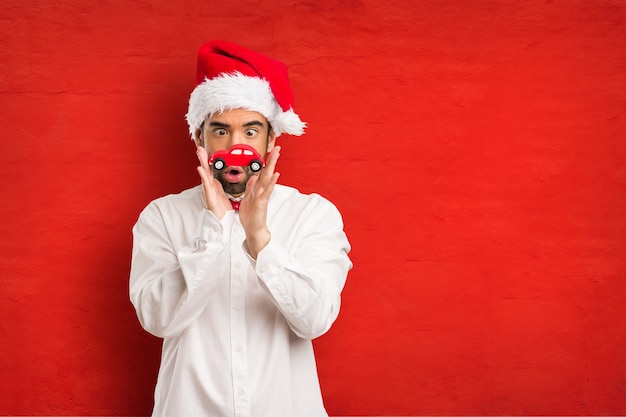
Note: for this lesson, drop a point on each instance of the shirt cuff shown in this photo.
(270, 262)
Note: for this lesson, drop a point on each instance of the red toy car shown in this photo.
(238, 155)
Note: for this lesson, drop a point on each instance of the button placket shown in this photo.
(238, 326)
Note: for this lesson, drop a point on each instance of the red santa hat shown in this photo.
(230, 77)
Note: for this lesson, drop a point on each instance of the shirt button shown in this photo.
(237, 307)
(238, 349)
(237, 264)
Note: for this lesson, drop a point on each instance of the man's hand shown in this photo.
(213, 196)
(253, 209)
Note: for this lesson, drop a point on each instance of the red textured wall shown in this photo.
(476, 148)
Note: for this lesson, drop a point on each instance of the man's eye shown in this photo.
(219, 132)
(251, 132)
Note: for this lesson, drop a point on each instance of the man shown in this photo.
(238, 295)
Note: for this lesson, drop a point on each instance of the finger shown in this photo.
(270, 164)
(273, 158)
(204, 170)
(259, 190)
(270, 186)
(204, 176)
(203, 158)
(273, 177)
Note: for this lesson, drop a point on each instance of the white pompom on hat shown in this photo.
(229, 76)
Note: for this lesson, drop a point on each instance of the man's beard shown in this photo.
(234, 188)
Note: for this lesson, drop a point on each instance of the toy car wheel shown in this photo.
(255, 166)
(219, 164)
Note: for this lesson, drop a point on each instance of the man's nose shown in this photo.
(237, 138)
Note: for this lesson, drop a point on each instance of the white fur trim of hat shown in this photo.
(234, 91)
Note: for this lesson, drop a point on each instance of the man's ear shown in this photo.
(198, 137)
(271, 141)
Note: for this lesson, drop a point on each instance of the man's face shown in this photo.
(220, 131)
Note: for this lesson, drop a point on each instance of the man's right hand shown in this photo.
(214, 197)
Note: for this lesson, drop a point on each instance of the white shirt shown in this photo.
(237, 332)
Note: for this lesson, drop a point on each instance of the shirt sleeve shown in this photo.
(170, 287)
(305, 282)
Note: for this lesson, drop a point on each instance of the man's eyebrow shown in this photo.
(218, 124)
(247, 124)
(254, 123)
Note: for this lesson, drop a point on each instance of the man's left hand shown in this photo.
(253, 209)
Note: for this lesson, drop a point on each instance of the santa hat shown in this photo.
(230, 77)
